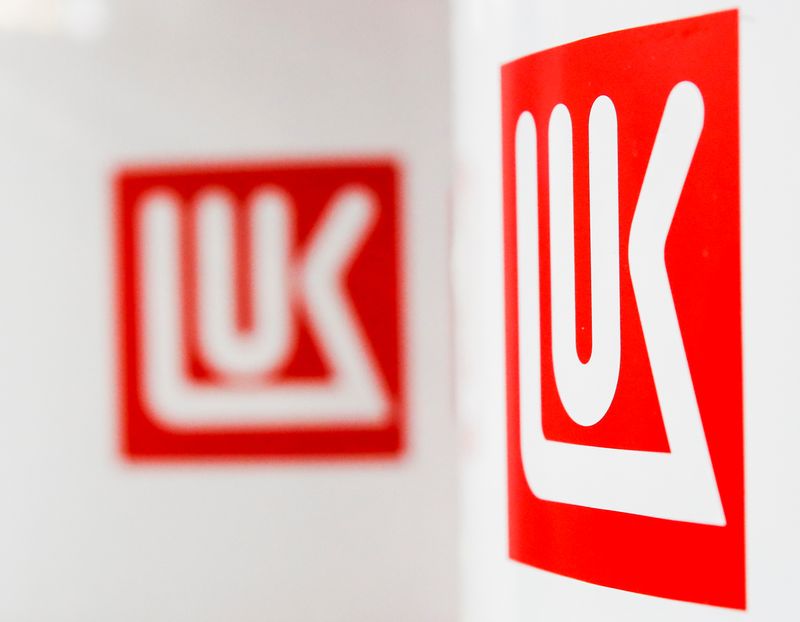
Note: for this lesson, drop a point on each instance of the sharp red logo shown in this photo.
(259, 310)
(623, 310)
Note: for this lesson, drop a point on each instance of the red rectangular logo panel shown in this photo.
(623, 311)
(259, 310)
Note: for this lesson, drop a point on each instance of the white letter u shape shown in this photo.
(586, 389)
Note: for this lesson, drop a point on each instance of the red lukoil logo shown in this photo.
(259, 310)
(623, 310)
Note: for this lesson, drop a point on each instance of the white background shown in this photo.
(491, 32)
(88, 85)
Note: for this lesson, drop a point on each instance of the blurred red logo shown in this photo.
(623, 313)
(259, 310)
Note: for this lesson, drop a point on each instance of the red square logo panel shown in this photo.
(624, 357)
(259, 310)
